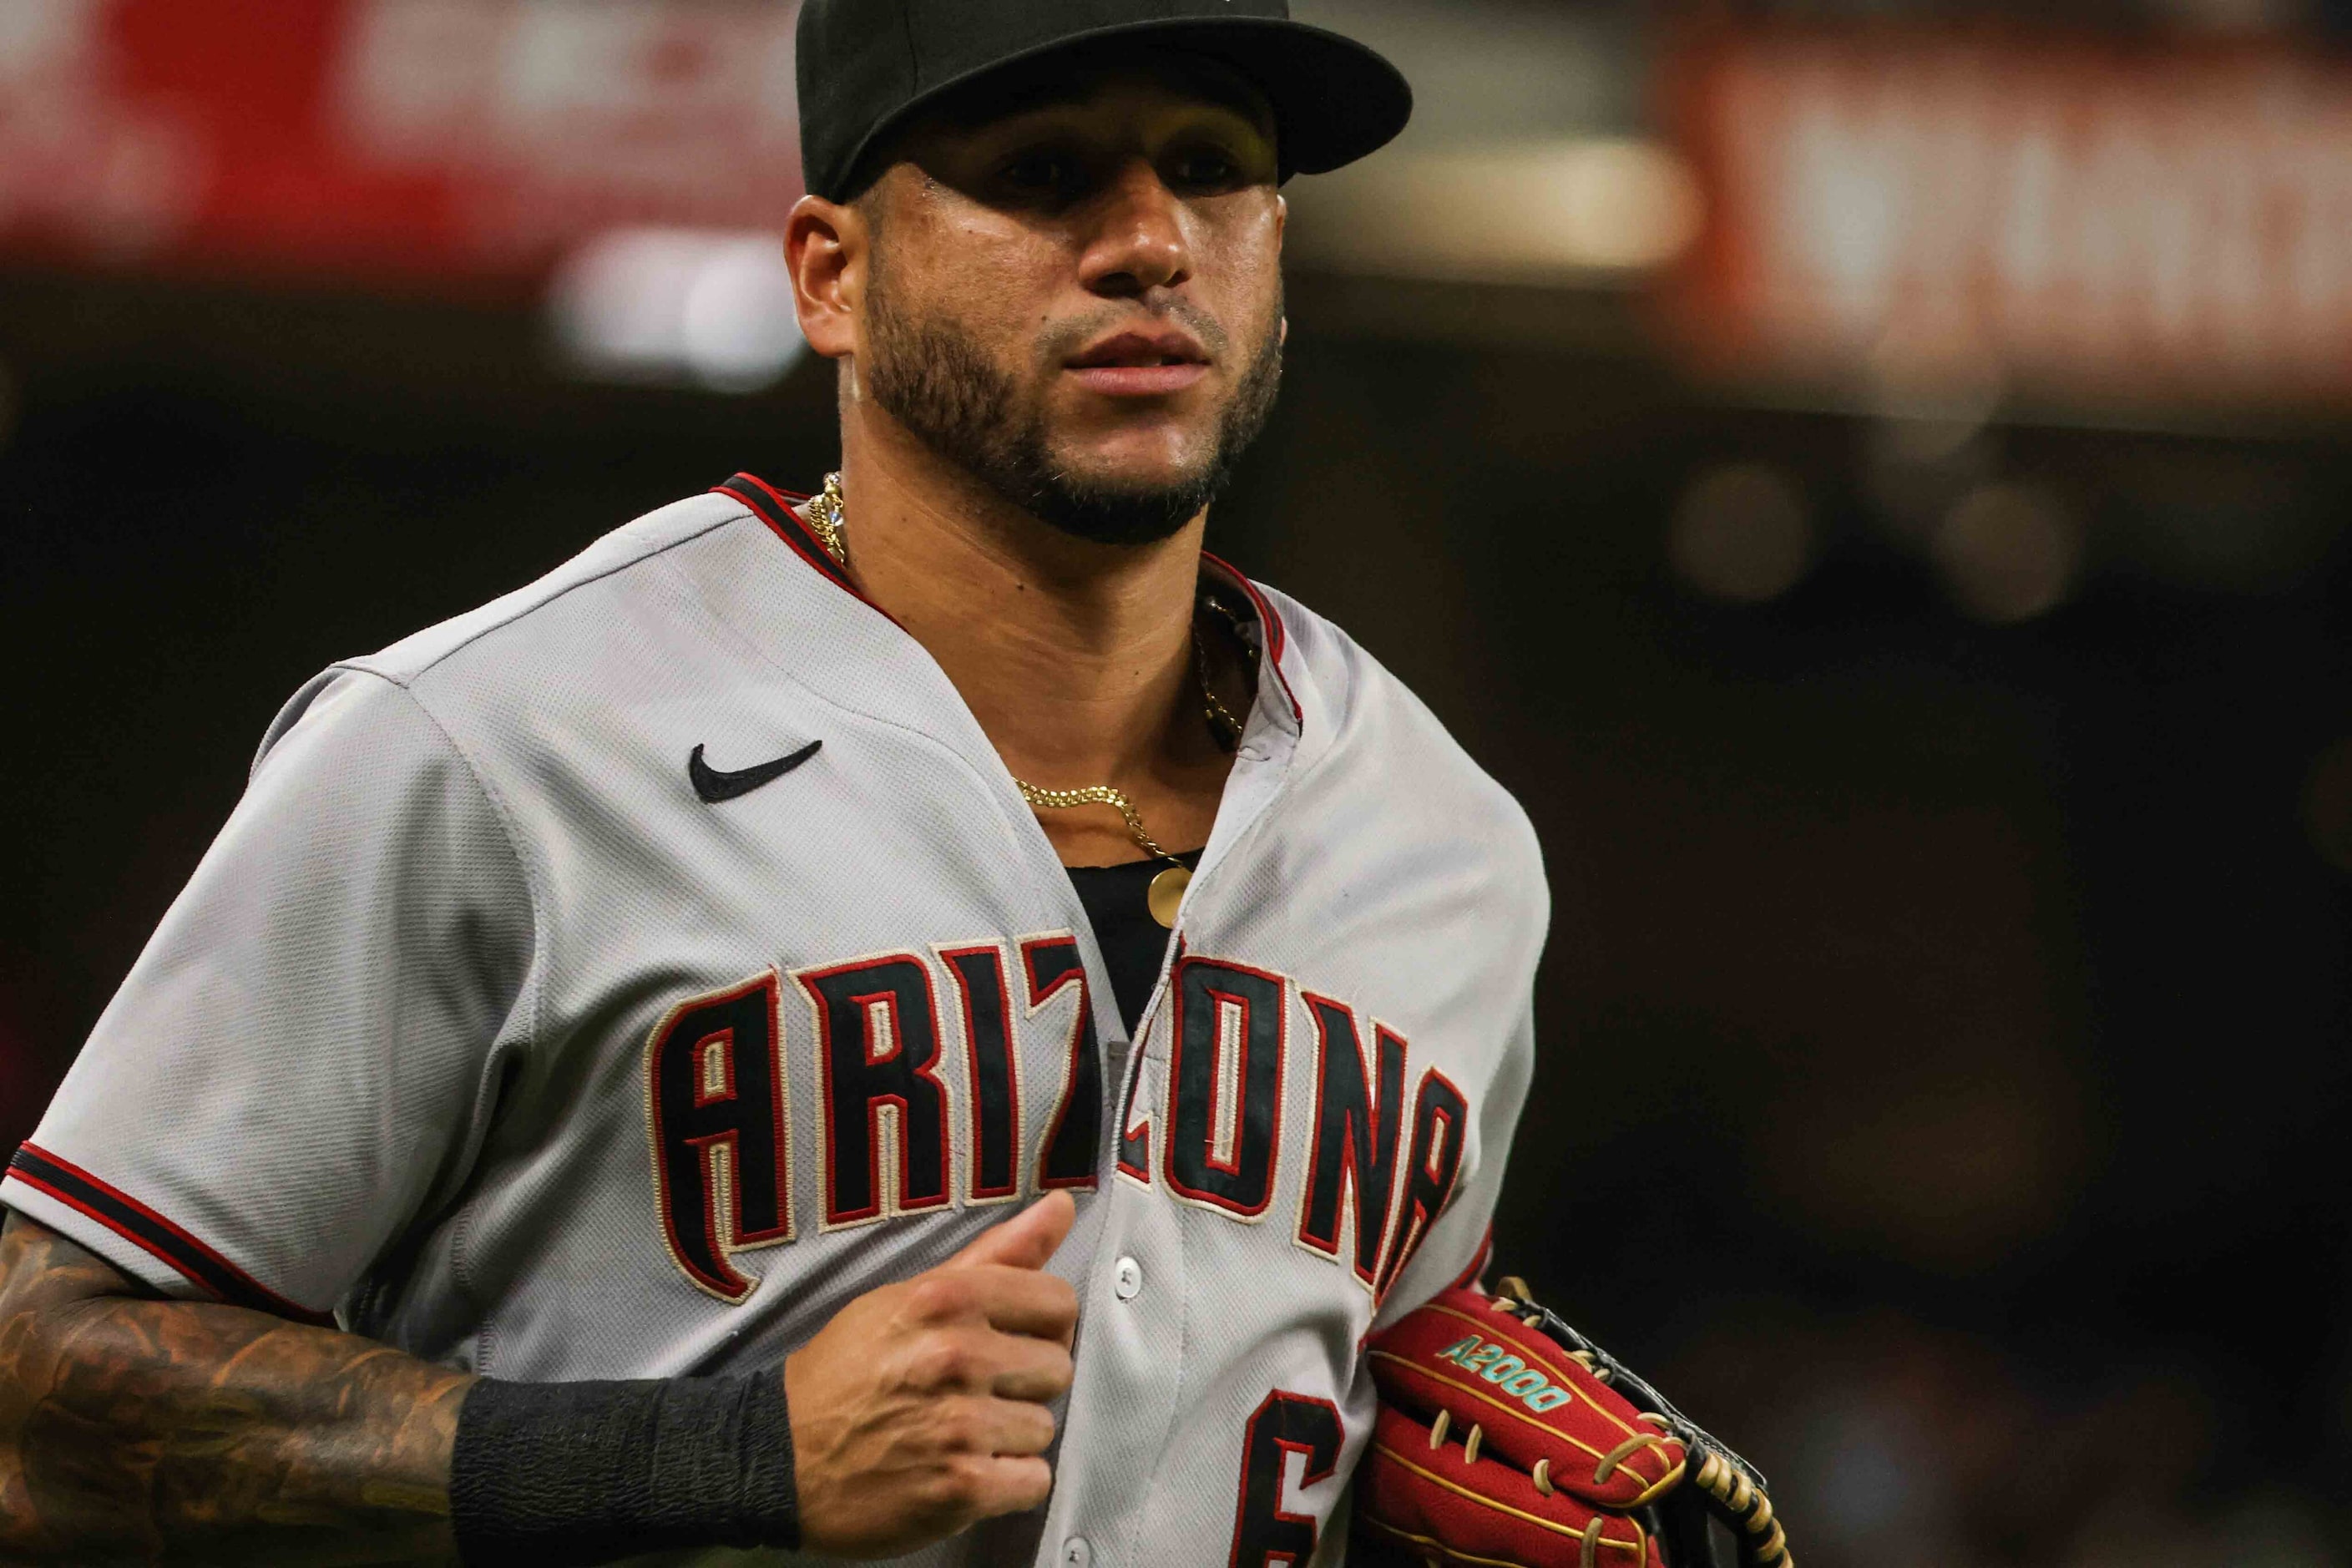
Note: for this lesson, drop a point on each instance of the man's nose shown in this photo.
(1139, 241)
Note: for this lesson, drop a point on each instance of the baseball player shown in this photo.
(930, 1021)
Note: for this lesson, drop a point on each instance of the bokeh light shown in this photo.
(2010, 552)
(1742, 533)
(677, 305)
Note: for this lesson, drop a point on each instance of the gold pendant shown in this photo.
(1168, 892)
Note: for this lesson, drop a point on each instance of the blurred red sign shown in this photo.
(2014, 213)
(426, 141)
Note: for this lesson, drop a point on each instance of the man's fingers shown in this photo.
(994, 1484)
(1028, 1240)
(1004, 1426)
(975, 1359)
(1016, 1301)
(926, 1405)
(1032, 1369)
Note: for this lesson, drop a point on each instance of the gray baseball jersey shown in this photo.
(616, 980)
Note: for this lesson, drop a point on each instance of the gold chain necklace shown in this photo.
(824, 516)
(826, 519)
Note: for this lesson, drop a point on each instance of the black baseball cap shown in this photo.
(865, 66)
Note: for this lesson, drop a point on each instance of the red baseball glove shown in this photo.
(1506, 1439)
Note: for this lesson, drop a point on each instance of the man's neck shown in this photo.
(1075, 656)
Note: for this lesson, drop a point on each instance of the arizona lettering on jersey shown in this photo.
(720, 1135)
(618, 980)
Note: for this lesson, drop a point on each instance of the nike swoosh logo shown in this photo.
(716, 787)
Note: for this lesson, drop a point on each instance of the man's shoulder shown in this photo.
(1372, 721)
(1359, 700)
(486, 636)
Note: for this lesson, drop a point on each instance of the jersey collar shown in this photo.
(775, 508)
(1277, 693)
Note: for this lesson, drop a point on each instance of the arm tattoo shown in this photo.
(140, 1430)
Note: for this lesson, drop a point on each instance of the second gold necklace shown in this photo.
(827, 520)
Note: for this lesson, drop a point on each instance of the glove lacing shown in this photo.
(1735, 1486)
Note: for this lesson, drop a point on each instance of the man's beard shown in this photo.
(934, 378)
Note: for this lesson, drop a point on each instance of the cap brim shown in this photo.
(1335, 100)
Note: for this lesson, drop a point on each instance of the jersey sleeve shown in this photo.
(1515, 918)
(1458, 1243)
(305, 1057)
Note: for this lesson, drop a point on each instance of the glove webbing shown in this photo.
(1734, 1489)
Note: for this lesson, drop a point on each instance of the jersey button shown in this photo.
(1128, 1280)
(1077, 1553)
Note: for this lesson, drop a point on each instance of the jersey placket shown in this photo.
(1137, 1306)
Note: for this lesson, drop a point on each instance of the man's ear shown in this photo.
(827, 249)
(1282, 229)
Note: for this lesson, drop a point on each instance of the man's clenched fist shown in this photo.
(920, 1409)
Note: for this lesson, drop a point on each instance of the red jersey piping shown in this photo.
(153, 1233)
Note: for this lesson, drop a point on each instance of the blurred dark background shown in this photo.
(1934, 695)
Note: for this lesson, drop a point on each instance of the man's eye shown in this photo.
(1206, 168)
(1040, 172)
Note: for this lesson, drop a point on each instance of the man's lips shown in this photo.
(1139, 380)
(1141, 364)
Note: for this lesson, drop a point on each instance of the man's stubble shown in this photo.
(931, 374)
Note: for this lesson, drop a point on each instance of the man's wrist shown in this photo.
(581, 1473)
